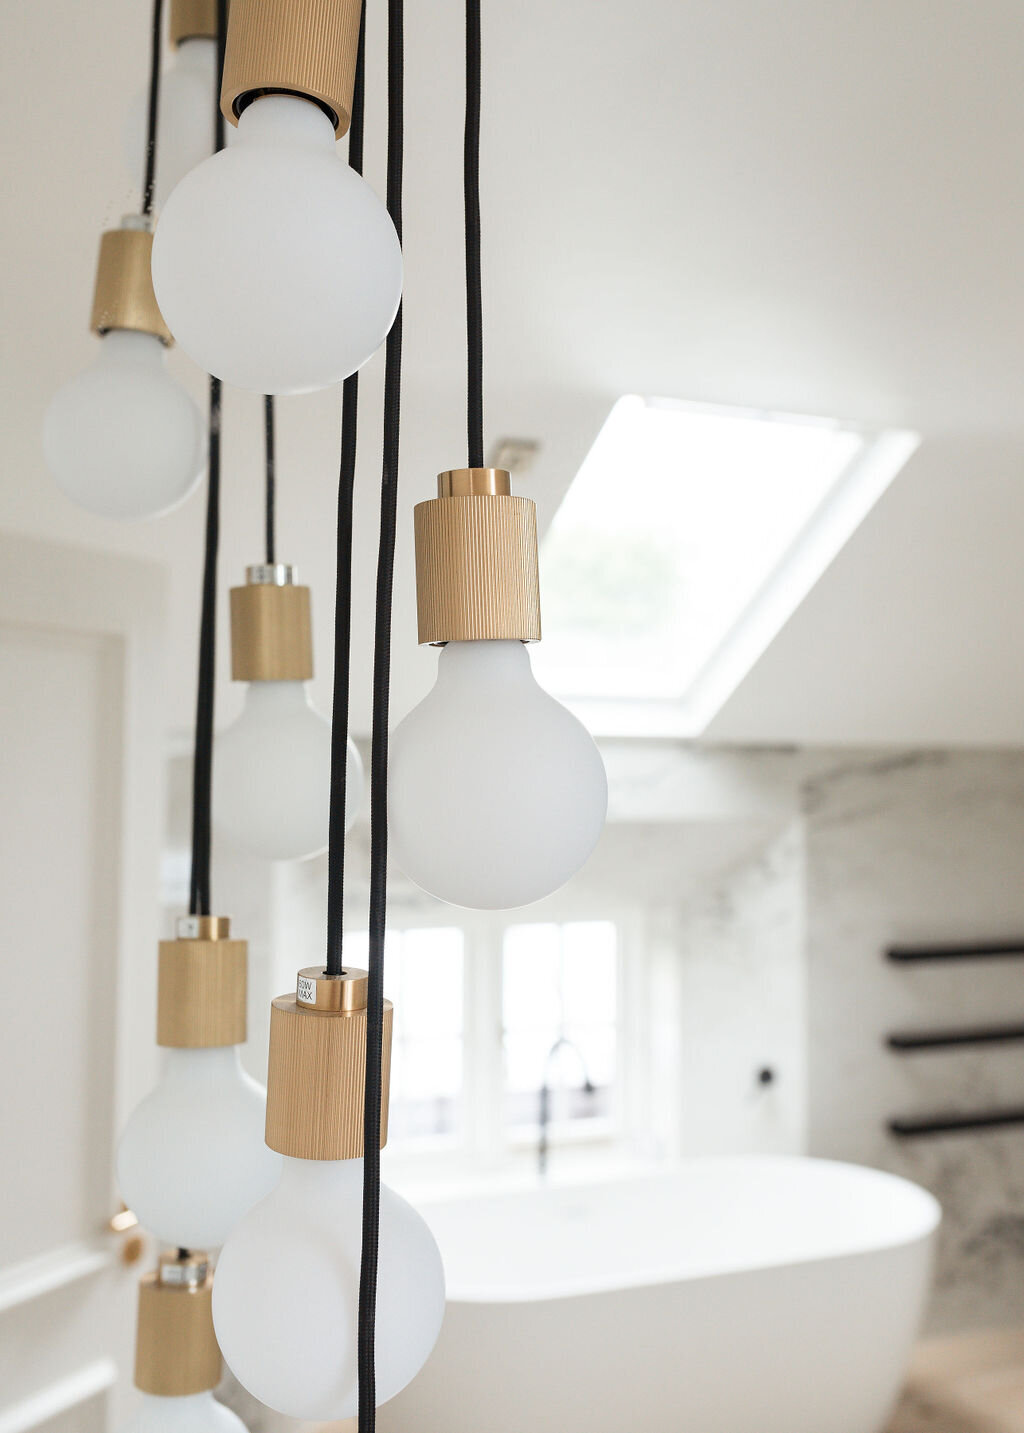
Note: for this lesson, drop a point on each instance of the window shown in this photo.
(688, 537)
(488, 1014)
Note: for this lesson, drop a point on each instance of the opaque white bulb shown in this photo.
(285, 1299)
(123, 439)
(184, 118)
(192, 1159)
(273, 787)
(196, 1413)
(275, 265)
(497, 793)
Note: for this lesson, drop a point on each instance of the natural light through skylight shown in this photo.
(679, 517)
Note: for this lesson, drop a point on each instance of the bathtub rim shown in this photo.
(502, 1295)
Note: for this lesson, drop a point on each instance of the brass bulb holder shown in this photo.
(123, 297)
(298, 47)
(176, 1352)
(476, 561)
(271, 627)
(317, 1067)
(201, 986)
(192, 20)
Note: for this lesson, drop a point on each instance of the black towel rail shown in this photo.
(955, 1124)
(982, 950)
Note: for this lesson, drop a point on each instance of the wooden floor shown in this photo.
(973, 1383)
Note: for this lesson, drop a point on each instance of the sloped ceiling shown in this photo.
(799, 205)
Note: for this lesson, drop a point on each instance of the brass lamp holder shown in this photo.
(123, 297)
(176, 1352)
(476, 561)
(316, 1070)
(201, 987)
(297, 47)
(192, 20)
(271, 628)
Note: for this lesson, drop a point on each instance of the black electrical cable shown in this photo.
(343, 590)
(153, 107)
(379, 758)
(202, 765)
(474, 288)
(268, 437)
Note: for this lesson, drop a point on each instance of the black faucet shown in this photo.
(544, 1118)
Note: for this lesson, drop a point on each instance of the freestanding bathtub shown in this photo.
(748, 1295)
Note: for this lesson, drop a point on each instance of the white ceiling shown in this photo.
(816, 207)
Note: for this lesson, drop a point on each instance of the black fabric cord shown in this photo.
(474, 290)
(268, 437)
(202, 764)
(343, 593)
(379, 758)
(153, 107)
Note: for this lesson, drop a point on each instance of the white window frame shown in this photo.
(483, 1147)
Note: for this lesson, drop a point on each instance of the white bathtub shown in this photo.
(751, 1295)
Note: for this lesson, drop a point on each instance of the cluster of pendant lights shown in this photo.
(278, 270)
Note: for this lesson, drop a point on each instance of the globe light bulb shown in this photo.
(497, 793)
(275, 265)
(184, 119)
(122, 439)
(192, 1158)
(285, 1299)
(273, 789)
(195, 1413)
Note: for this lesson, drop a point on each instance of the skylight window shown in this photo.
(688, 537)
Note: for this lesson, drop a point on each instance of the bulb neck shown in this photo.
(123, 345)
(266, 701)
(189, 1068)
(276, 119)
(501, 663)
(196, 54)
(320, 1178)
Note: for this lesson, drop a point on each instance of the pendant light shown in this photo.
(498, 793)
(184, 98)
(122, 439)
(274, 762)
(330, 1293)
(177, 1361)
(286, 1299)
(276, 265)
(192, 1159)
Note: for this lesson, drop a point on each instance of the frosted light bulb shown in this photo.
(123, 439)
(192, 1158)
(286, 1294)
(275, 265)
(497, 793)
(195, 1413)
(184, 120)
(273, 789)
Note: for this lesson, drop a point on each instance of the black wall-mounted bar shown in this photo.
(955, 1124)
(986, 950)
(946, 1039)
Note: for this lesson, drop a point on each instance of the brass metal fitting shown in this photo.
(300, 47)
(271, 627)
(176, 1350)
(201, 986)
(123, 296)
(193, 20)
(476, 560)
(316, 1071)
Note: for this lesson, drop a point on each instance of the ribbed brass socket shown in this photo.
(193, 20)
(316, 1071)
(476, 561)
(176, 1350)
(201, 986)
(303, 47)
(271, 628)
(123, 296)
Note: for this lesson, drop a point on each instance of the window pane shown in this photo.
(560, 1008)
